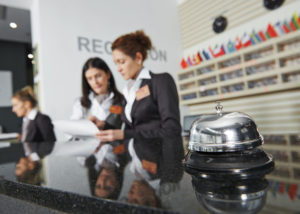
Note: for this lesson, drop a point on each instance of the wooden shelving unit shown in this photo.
(270, 66)
(285, 150)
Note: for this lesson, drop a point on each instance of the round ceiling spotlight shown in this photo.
(30, 56)
(13, 25)
(220, 24)
(273, 4)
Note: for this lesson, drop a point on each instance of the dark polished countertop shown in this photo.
(69, 178)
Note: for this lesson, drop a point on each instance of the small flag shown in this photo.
(271, 31)
(253, 38)
(193, 60)
(221, 51)
(268, 35)
(189, 61)
(295, 19)
(230, 47)
(238, 43)
(217, 51)
(183, 64)
(257, 37)
(202, 56)
(279, 28)
(262, 36)
(211, 51)
(286, 27)
(281, 187)
(197, 58)
(277, 186)
(246, 40)
(206, 55)
(293, 191)
(292, 25)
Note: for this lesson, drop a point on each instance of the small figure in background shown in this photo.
(37, 128)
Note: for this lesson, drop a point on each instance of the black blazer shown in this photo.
(157, 115)
(40, 130)
(165, 153)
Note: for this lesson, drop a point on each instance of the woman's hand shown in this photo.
(110, 135)
(100, 124)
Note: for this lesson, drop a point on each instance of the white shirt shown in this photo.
(31, 116)
(106, 152)
(129, 91)
(99, 107)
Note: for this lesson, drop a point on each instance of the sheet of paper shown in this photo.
(6, 136)
(77, 128)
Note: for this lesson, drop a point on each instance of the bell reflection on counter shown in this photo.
(234, 165)
(243, 196)
(226, 166)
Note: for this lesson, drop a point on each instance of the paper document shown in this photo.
(79, 128)
(6, 136)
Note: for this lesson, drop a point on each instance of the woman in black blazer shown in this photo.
(150, 110)
(37, 128)
(151, 107)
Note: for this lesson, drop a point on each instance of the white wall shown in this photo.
(61, 22)
(22, 4)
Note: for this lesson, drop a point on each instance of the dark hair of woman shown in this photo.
(93, 176)
(96, 62)
(132, 43)
(26, 94)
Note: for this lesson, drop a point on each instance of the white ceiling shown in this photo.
(21, 17)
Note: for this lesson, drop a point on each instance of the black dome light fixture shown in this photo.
(220, 24)
(272, 4)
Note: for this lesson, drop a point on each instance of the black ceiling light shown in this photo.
(220, 24)
(273, 4)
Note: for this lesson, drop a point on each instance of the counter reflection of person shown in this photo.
(154, 162)
(105, 170)
(99, 93)
(28, 171)
(142, 193)
(151, 108)
(37, 128)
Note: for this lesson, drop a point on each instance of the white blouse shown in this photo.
(99, 107)
(130, 90)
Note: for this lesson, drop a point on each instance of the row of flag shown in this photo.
(282, 188)
(246, 40)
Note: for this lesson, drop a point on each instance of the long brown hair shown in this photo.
(96, 62)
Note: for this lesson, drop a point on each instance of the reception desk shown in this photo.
(161, 185)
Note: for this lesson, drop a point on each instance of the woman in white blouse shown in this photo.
(99, 93)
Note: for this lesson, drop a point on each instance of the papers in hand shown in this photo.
(77, 128)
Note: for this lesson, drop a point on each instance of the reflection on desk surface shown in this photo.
(147, 173)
